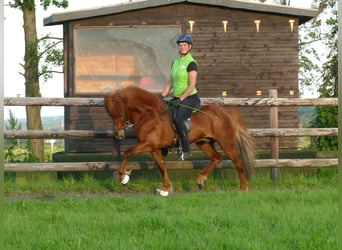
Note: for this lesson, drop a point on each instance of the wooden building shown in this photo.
(242, 48)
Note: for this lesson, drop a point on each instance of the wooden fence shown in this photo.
(273, 132)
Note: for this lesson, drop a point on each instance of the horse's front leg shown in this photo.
(167, 186)
(123, 173)
(137, 149)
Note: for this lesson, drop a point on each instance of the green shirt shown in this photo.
(180, 76)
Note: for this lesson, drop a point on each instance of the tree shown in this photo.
(32, 58)
(324, 29)
(12, 122)
(13, 145)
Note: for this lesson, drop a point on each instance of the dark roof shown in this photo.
(63, 17)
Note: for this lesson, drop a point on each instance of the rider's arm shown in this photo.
(192, 85)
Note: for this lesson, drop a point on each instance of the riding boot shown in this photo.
(186, 153)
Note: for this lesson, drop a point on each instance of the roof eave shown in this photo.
(302, 14)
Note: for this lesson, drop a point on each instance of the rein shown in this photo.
(167, 108)
(128, 123)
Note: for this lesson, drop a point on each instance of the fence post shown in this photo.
(274, 140)
(116, 150)
(116, 154)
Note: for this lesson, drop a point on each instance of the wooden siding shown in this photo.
(102, 79)
(239, 62)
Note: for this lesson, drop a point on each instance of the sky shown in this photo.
(14, 52)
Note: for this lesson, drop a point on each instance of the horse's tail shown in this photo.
(245, 144)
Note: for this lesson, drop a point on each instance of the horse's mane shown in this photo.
(141, 97)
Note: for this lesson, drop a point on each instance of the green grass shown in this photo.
(273, 219)
(298, 212)
(147, 181)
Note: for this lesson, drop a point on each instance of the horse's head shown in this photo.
(130, 104)
(116, 107)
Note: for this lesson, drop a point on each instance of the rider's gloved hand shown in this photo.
(175, 102)
(162, 98)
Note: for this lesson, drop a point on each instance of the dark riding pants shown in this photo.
(183, 113)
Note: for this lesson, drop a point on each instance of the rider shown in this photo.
(183, 82)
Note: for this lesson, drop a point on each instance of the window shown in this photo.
(107, 58)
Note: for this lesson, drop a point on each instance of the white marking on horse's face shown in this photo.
(120, 133)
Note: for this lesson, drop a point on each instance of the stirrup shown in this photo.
(185, 155)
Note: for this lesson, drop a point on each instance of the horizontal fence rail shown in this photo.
(64, 134)
(99, 102)
(174, 165)
(114, 166)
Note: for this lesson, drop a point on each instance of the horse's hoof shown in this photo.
(201, 181)
(125, 180)
(201, 185)
(162, 192)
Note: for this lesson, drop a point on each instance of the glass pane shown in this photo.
(107, 58)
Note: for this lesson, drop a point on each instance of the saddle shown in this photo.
(188, 124)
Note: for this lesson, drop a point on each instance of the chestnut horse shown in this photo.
(151, 122)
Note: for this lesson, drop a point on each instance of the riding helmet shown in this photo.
(184, 38)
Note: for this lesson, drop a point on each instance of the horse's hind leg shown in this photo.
(232, 153)
(215, 158)
(157, 155)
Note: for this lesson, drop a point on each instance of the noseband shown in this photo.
(127, 124)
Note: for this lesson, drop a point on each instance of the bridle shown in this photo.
(127, 124)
